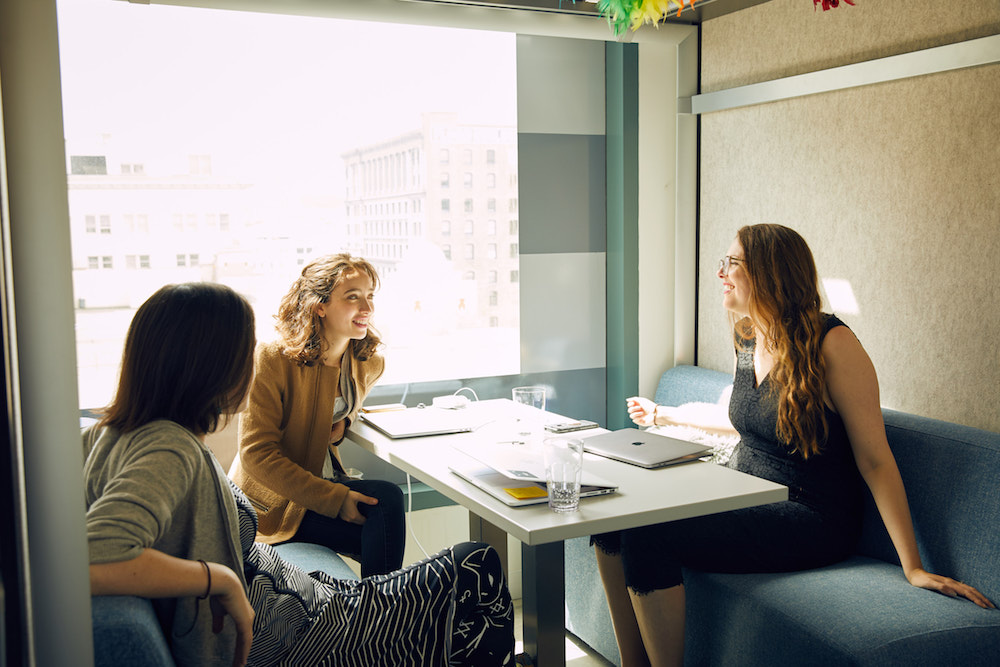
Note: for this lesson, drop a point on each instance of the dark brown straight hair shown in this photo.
(188, 358)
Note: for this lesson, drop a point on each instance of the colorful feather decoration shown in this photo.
(623, 15)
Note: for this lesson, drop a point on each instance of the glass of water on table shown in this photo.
(530, 403)
(563, 472)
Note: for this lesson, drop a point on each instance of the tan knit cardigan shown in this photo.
(285, 434)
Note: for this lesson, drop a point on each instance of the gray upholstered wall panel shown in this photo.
(562, 191)
(895, 186)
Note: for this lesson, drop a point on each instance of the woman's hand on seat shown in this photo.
(229, 598)
(948, 586)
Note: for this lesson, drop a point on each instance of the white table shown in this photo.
(644, 497)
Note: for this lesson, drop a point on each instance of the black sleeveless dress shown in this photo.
(818, 525)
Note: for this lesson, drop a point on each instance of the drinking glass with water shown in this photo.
(563, 472)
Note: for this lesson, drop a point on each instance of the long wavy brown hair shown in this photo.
(300, 328)
(784, 308)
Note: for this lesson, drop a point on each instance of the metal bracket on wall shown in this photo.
(970, 53)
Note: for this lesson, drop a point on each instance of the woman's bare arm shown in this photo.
(154, 574)
(853, 388)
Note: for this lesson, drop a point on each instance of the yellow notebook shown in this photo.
(524, 492)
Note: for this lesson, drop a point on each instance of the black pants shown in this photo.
(780, 537)
(378, 544)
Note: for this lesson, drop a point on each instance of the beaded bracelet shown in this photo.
(209, 573)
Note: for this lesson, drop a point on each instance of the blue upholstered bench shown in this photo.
(126, 631)
(858, 612)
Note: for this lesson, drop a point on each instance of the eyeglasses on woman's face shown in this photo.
(727, 262)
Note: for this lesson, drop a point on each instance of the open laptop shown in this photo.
(644, 448)
(416, 422)
(516, 492)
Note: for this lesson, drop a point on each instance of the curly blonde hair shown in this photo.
(784, 305)
(300, 328)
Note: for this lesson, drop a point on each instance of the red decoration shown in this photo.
(830, 4)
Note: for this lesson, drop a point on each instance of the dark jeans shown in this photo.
(378, 544)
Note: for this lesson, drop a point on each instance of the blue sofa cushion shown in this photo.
(587, 614)
(858, 612)
(691, 384)
(126, 632)
(313, 557)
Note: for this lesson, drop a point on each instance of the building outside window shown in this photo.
(192, 199)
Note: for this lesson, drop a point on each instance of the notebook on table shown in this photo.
(516, 492)
(644, 448)
(416, 422)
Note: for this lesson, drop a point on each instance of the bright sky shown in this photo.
(287, 92)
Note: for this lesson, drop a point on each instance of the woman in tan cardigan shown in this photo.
(309, 386)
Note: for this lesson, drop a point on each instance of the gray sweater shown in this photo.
(160, 487)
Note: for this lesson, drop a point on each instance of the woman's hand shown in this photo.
(948, 586)
(641, 410)
(349, 511)
(228, 597)
(155, 574)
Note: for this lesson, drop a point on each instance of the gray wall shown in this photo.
(563, 218)
(895, 186)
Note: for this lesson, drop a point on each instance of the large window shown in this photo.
(258, 142)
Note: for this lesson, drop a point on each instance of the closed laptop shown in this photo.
(417, 422)
(644, 448)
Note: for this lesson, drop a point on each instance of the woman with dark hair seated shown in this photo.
(164, 522)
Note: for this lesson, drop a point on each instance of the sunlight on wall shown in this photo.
(840, 296)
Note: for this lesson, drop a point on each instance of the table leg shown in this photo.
(484, 531)
(543, 600)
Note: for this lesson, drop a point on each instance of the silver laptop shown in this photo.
(644, 448)
(515, 492)
(416, 422)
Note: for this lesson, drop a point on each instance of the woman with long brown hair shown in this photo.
(805, 404)
(309, 387)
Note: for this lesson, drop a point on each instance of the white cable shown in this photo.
(468, 389)
(409, 521)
